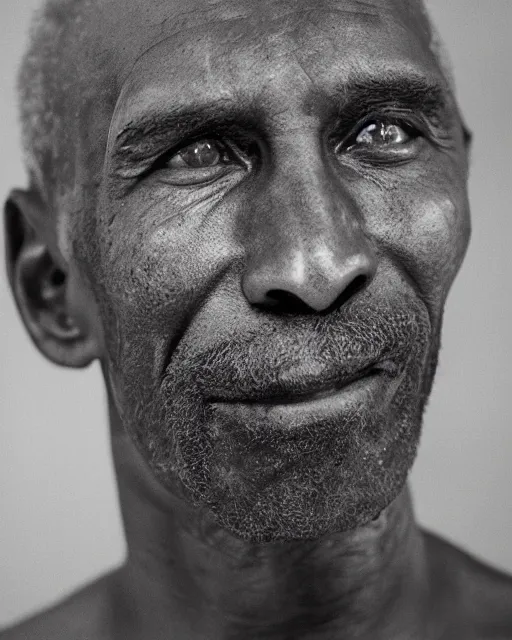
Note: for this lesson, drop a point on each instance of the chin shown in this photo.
(266, 485)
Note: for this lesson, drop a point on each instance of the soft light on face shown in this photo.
(320, 138)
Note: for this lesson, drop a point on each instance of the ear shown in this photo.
(41, 285)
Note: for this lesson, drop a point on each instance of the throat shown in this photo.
(370, 583)
(185, 577)
(199, 581)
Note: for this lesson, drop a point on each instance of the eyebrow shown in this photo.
(411, 92)
(154, 128)
(156, 131)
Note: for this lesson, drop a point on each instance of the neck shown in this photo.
(186, 578)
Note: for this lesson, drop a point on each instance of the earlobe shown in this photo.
(41, 283)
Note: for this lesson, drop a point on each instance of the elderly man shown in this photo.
(251, 212)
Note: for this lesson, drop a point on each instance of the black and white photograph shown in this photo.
(255, 320)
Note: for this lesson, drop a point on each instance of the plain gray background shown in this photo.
(59, 518)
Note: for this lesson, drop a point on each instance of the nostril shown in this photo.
(282, 301)
(286, 302)
(356, 285)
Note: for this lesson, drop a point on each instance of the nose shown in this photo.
(307, 249)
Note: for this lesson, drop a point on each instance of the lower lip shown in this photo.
(372, 392)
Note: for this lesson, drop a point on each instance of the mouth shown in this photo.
(323, 389)
(320, 395)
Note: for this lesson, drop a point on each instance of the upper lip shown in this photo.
(305, 388)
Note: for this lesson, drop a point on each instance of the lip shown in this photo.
(372, 387)
(306, 396)
(311, 390)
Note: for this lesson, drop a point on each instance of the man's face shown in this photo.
(281, 213)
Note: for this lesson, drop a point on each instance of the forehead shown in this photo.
(197, 35)
(200, 50)
(135, 23)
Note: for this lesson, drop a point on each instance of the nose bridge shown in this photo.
(307, 237)
(317, 208)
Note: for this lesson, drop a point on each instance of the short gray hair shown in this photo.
(42, 83)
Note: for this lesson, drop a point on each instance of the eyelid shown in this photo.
(195, 176)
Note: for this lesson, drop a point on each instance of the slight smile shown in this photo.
(375, 386)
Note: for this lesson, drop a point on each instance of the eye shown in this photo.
(203, 154)
(381, 133)
(199, 163)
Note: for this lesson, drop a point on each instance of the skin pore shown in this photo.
(264, 203)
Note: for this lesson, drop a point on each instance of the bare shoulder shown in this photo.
(478, 593)
(84, 615)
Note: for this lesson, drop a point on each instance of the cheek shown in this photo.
(425, 234)
(435, 239)
(442, 231)
(158, 270)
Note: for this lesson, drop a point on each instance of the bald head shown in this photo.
(68, 61)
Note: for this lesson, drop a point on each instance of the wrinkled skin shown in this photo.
(185, 269)
(303, 255)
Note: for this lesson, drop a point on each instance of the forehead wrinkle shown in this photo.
(266, 29)
(266, 12)
(277, 51)
(233, 13)
(291, 17)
